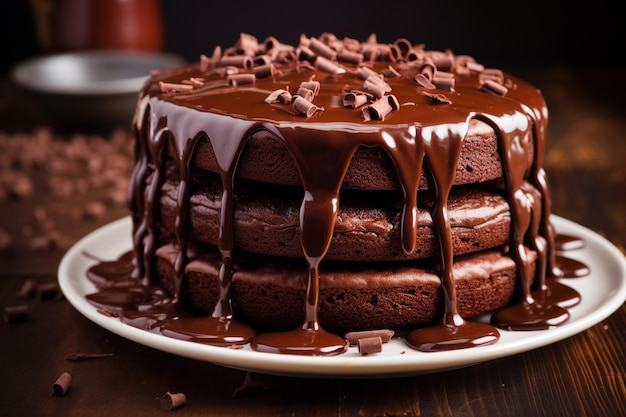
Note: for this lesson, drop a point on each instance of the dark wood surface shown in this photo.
(584, 375)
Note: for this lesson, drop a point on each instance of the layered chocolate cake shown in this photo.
(285, 195)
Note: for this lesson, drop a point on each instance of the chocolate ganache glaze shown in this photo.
(324, 100)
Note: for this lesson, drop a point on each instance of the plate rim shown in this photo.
(351, 364)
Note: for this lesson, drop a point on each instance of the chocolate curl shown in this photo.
(305, 93)
(438, 98)
(61, 385)
(355, 99)
(17, 313)
(403, 45)
(239, 61)
(370, 345)
(444, 61)
(171, 401)
(261, 60)
(390, 72)
(324, 64)
(414, 55)
(351, 44)
(281, 96)
(384, 334)
(427, 68)
(305, 107)
(174, 87)
(306, 54)
(264, 71)
(207, 63)
(379, 109)
(422, 81)
(492, 74)
(311, 85)
(321, 49)
(270, 43)
(247, 44)
(350, 57)
(443, 80)
(490, 86)
(365, 72)
(474, 66)
(376, 86)
(236, 80)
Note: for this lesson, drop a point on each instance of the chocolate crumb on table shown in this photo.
(171, 401)
(61, 385)
(16, 313)
(75, 357)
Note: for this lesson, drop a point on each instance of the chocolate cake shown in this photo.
(284, 195)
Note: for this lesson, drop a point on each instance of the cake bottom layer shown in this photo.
(353, 296)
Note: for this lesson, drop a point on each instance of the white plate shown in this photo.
(604, 291)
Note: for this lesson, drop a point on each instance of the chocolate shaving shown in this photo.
(379, 109)
(305, 93)
(491, 74)
(444, 61)
(311, 85)
(281, 96)
(369, 345)
(404, 46)
(16, 313)
(321, 49)
(29, 289)
(77, 357)
(324, 64)
(444, 80)
(350, 57)
(239, 61)
(207, 63)
(391, 72)
(264, 71)
(247, 44)
(422, 81)
(384, 334)
(305, 107)
(474, 66)
(174, 87)
(491, 86)
(438, 98)
(61, 385)
(365, 72)
(236, 80)
(375, 86)
(355, 99)
(171, 401)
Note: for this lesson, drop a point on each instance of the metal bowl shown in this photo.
(93, 89)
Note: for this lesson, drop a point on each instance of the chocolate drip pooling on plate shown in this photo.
(424, 131)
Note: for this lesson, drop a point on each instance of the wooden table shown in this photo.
(584, 375)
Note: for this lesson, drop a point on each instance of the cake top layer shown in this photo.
(351, 84)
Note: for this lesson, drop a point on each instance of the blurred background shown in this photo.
(494, 32)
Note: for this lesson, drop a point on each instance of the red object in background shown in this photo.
(107, 24)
